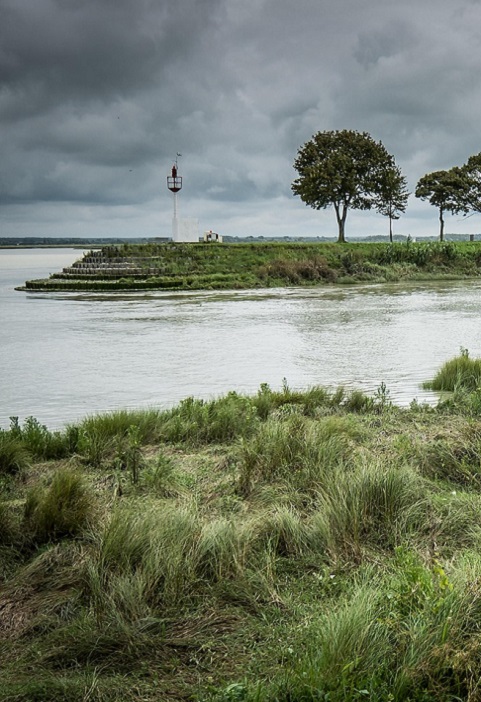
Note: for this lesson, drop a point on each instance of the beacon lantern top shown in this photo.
(174, 182)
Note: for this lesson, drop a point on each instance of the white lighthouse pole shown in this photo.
(174, 183)
(175, 221)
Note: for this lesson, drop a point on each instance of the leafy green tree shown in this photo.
(472, 171)
(446, 190)
(392, 197)
(340, 168)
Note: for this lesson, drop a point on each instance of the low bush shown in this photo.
(41, 443)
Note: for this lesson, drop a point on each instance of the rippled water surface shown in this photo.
(67, 355)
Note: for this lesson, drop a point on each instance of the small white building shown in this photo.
(210, 236)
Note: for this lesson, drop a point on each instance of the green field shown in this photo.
(261, 265)
(285, 547)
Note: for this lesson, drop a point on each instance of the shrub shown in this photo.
(39, 441)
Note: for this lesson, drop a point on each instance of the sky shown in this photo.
(98, 96)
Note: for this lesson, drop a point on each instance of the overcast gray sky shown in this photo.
(97, 96)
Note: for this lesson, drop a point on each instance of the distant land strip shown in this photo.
(260, 264)
(81, 242)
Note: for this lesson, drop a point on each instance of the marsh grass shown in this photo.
(289, 547)
(166, 556)
(14, 456)
(369, 506)
(61, 509)
(54, 687)
(459, 373)
(98, 438)
(299, 451)
(196, 421)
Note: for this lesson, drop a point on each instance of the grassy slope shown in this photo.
(289, 547)
(235, 266)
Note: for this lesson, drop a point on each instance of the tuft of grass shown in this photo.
(197, 422)
(373, 505)
(161, 478)
(62, 509)
(308, 402)
(99, 437)
(284, 532)
(452, 523)
(298, 451)
(459, 373)
(14, 457)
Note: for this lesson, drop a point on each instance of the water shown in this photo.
(65, 355)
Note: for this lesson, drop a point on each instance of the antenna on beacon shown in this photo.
(174, 184)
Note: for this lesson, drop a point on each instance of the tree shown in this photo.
(472, 171)
(343, 169)
(391, 200)
(446, 190)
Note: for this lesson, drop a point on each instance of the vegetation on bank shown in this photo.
(244, 266)
(286, 547)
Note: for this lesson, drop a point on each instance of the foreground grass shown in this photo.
(243, 266)
(287, 547)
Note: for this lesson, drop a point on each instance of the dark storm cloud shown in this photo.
(55, 51)
(96, 98)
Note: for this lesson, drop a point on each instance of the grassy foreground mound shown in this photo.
(286, 547)
(279, 264)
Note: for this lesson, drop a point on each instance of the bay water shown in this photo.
(66, 355)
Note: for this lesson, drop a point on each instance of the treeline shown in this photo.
(349, 170)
